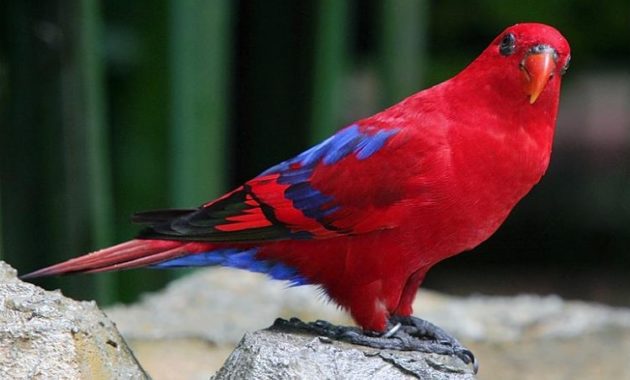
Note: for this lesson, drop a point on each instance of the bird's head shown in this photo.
(526, 61)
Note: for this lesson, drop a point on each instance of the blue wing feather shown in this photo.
(350, 140)
(363, 143)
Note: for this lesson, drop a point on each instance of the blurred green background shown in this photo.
(112, 107)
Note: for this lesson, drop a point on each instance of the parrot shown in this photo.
(366, 213)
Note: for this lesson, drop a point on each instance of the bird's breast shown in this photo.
(481, 178)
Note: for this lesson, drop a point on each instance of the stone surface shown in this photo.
(512, 319)
(202, 316)
(44, 335)
(189, 329)
(277, 354)
(199, 318)
(219, 305)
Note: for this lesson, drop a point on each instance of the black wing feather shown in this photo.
(199, 224)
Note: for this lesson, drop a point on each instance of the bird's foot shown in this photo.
(416, 332)
(404, 334)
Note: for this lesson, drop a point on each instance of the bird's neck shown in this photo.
(498, 104)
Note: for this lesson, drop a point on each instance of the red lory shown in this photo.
(366, 213)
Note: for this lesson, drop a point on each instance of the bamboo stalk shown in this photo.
(140, 101)
(20, 166)
(200, 42)
(90, 51)
(199, 56)
(402, 47)
(328, 68)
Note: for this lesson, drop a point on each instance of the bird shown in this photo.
(366, 213)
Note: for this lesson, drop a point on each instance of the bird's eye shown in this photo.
(566, 66)
(508, 45)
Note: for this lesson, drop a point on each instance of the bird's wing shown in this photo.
(346, 185)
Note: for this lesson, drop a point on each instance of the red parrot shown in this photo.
(366, 213)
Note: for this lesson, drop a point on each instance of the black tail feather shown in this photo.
(159, 216)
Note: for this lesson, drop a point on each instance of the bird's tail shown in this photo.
(163, 254)
(131, 254)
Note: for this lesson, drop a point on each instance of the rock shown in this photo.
(530, 337)
(276, 353)
(187, 330)
(219, 305)
(44, 335)
(512, 319)
(202, 316)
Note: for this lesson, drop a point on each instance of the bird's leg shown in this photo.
(419, 328)
(403, 334)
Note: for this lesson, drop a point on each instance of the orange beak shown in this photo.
(538, 67)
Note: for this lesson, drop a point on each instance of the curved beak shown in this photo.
(538, 67)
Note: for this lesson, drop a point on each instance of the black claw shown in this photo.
(468, 357)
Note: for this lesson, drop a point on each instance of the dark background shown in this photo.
(111, 107)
